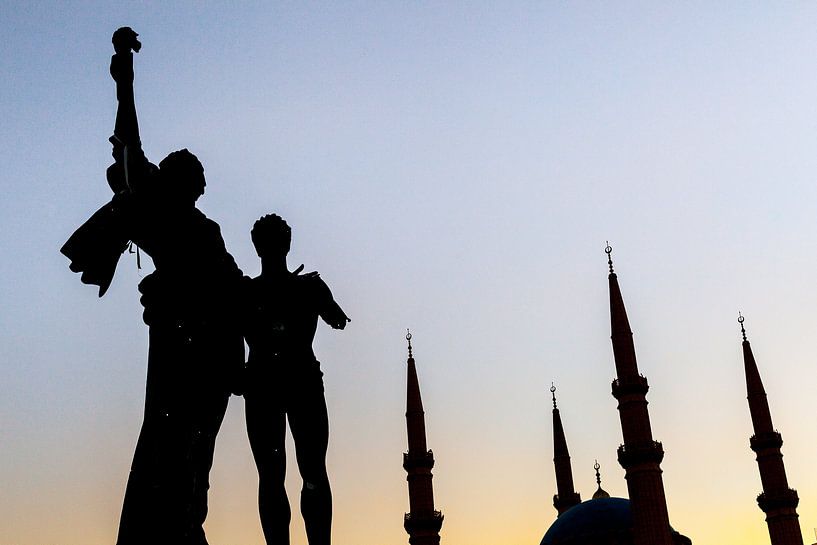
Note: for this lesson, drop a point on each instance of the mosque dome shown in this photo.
(600, 521)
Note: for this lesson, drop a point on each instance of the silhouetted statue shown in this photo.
(195, 345)
(285, 382)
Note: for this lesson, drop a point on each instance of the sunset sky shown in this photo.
(450, 167)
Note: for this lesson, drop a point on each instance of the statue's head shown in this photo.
(182, 176)
(271, 236)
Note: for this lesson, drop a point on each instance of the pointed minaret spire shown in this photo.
(756, 394)
(640, 455)
(565, 497)
(422, 522)
(622, 335)
(600, 492)
(777, 500)
(415, 416)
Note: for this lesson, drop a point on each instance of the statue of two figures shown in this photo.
(200, 308)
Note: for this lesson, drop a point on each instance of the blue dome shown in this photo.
(603, 520)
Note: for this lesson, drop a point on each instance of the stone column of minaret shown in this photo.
(422, 522)
(777, 500)
(640, 455)
(565, 497)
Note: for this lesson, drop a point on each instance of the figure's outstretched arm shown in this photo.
(330, 311)
(333, 315)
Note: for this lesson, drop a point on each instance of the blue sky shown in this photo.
(455, 168)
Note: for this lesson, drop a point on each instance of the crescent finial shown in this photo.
(408, 338)
(609, 251)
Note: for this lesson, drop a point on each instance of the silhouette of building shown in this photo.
(602, 520)
(777, 500)
(640, 455)
(566, 496)
(642, 519)
(422, 522)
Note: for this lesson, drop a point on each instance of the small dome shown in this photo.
(600, 493)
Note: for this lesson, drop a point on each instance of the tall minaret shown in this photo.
(777, 500)
(422, 522)
(640, 455)
(565, 497)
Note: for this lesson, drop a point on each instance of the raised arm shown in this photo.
(126, 129)
(95, 247)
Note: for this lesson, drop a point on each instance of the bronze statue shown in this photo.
(285, 383)
(196, 347)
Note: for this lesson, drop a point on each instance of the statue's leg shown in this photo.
(210, 350)
(210, 413)
(152, 510)
(309, 423)
(266, 429)
(136, 518)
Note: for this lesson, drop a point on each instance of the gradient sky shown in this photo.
(453, 167)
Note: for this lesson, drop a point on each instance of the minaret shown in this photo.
(565, 497)
(422, 522)
(777, 500)
(640, 455)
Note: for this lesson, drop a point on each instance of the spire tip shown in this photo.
(600, 492)
(553, 394)
(741, 319)
(408, 338)
(609, 251)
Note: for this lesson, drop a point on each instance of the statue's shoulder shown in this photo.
(312, 286)
(310, 279)
(309, 283)
(204, 225)
(249, 288)
(201, 218)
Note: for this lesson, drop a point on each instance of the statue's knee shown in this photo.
(316, 485)
(273, 463)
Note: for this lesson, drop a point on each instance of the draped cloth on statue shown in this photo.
(95, 247)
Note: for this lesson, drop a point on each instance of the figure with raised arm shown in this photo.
(196, 348)
(285, 382)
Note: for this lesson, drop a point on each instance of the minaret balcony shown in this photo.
(418, 460)
(630, 385)
(423, 523)
(765, 440)
(651, 452)
(564, 503)
(785, 499)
